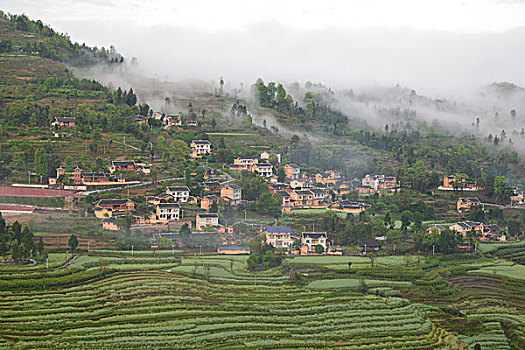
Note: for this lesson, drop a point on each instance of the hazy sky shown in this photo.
(433, 46)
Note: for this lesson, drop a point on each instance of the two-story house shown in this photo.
(301, 198)
(206, 220)
(292, 171)
(245, 162)
(206, 202)
(310, 240)
(199, 148)
(266, 155)
(263, 169)
(168, 212)
(328, 178)
(285, 197)
(231, 193)
(464, 205)
(180, 194)
(279, 237)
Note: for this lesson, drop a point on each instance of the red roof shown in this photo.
(8, 191)
(14, 207)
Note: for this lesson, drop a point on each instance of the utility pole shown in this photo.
(433, 246)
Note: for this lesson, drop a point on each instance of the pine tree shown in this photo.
(73, 242)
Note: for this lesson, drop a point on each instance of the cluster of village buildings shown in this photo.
(115, 175)
(298, 191)
(167, 120)
(452, 182)
(484, 232)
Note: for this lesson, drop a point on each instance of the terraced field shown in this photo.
(162, 300)
(512, 252)
(166, 310)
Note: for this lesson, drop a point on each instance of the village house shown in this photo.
(298, 184)
(286, 198)
(464, 204)
(192, 123)
(464, 227)
(348, 207)
(233, 250)
(266, 155)
(516, 199)
(61, 176)
(274, 187)
(180, 194)
(231, 193)
(121, 165)
(110, 224)
(292, 171)
(309, 240)
(451, 182)
(235, 167)
(263, 169)
(335, 250)
(372, 181)
(168, 212)
(206, 220)
(329, 177)
(144, 168)
(435, 229)
(95, 177)
(206, 202)
(279, 237)
(491, 229)
(319, 195)
(64, 121)
(172, 120)
(141, 120)
(156, 115)
(379, 182)
(77, 176)
(496, 237)
(225, 229)
(103, 212)
(199, 148)
(124, 204)
(347, 187)
(154, 200)
(211, 186)
(246, 162)
(301, 198)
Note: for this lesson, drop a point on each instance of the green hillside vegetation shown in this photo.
(419, 291)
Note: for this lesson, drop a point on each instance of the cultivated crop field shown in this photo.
(171, 311)
(164, 300)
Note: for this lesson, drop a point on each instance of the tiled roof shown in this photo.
(278, 230)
